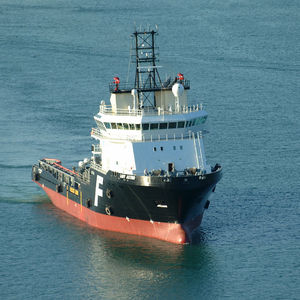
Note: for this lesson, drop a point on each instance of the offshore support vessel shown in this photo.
(147, 174)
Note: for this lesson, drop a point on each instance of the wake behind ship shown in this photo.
(147, 174)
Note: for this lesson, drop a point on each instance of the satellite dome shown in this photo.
(177, 89)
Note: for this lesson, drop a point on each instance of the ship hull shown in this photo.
(170, 232)
(168, 209)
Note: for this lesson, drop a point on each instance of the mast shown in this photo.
(147, 79)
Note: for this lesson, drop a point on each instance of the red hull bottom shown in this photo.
(170, 232)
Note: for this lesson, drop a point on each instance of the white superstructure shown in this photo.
(165, 136)
(133, 141)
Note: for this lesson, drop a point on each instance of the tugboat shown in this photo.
(147, 174)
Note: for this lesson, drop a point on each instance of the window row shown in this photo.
(153, 126)
(162, 148)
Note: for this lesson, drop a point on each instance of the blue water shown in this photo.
(243, 59)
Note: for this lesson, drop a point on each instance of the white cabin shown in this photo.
(133, 141)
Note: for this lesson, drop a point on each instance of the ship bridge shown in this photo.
(148, 123)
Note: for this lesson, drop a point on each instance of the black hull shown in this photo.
(152, 198)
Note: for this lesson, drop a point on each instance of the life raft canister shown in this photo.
(180, 76)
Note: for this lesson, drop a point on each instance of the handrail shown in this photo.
(55, 164)
(144, 86)
(149, 111)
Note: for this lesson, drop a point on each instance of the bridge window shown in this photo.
(163, 125)
(198, 121)
(107, 125)
(153, 126)
(172, 125)
(100, 125)
(120, 126)
(145, 126)
(188, 123)
(125, 126)
(181, 124)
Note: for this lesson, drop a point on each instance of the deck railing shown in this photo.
(149, 111)
(145, 86)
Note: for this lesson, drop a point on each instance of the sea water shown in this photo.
(242, 59)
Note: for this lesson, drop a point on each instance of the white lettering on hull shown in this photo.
(98, 189)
